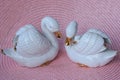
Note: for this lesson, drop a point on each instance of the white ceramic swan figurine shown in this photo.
(88, 49)
(31, 48)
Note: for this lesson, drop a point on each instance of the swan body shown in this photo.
(90, 48)
(32, 48)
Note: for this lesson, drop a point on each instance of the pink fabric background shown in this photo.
(101, 14)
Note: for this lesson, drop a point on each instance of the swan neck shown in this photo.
(49, 35)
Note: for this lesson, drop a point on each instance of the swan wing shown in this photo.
(102, 34)
(21, 31)
(90, 43)
(32, 43)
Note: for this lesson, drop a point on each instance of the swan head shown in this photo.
(71, 31)
(52, 25)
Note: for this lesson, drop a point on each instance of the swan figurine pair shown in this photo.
(32, 48)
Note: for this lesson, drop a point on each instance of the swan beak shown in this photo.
(58, 34)
(2, 52)
(68, 41)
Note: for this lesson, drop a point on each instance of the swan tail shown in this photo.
(109, 54)
(8, 52)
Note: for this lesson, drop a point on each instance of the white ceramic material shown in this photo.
(90, 48)
(32, 48)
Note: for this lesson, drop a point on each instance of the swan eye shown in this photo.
(50, 26)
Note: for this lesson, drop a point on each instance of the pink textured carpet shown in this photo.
(101, 14)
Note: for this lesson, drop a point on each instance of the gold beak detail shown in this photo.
(58, 34)
(68, 41)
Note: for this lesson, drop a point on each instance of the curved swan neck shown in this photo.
(48, 34)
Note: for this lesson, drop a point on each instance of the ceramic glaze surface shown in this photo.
(90, 48)
(31, 48)
(99, 14)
